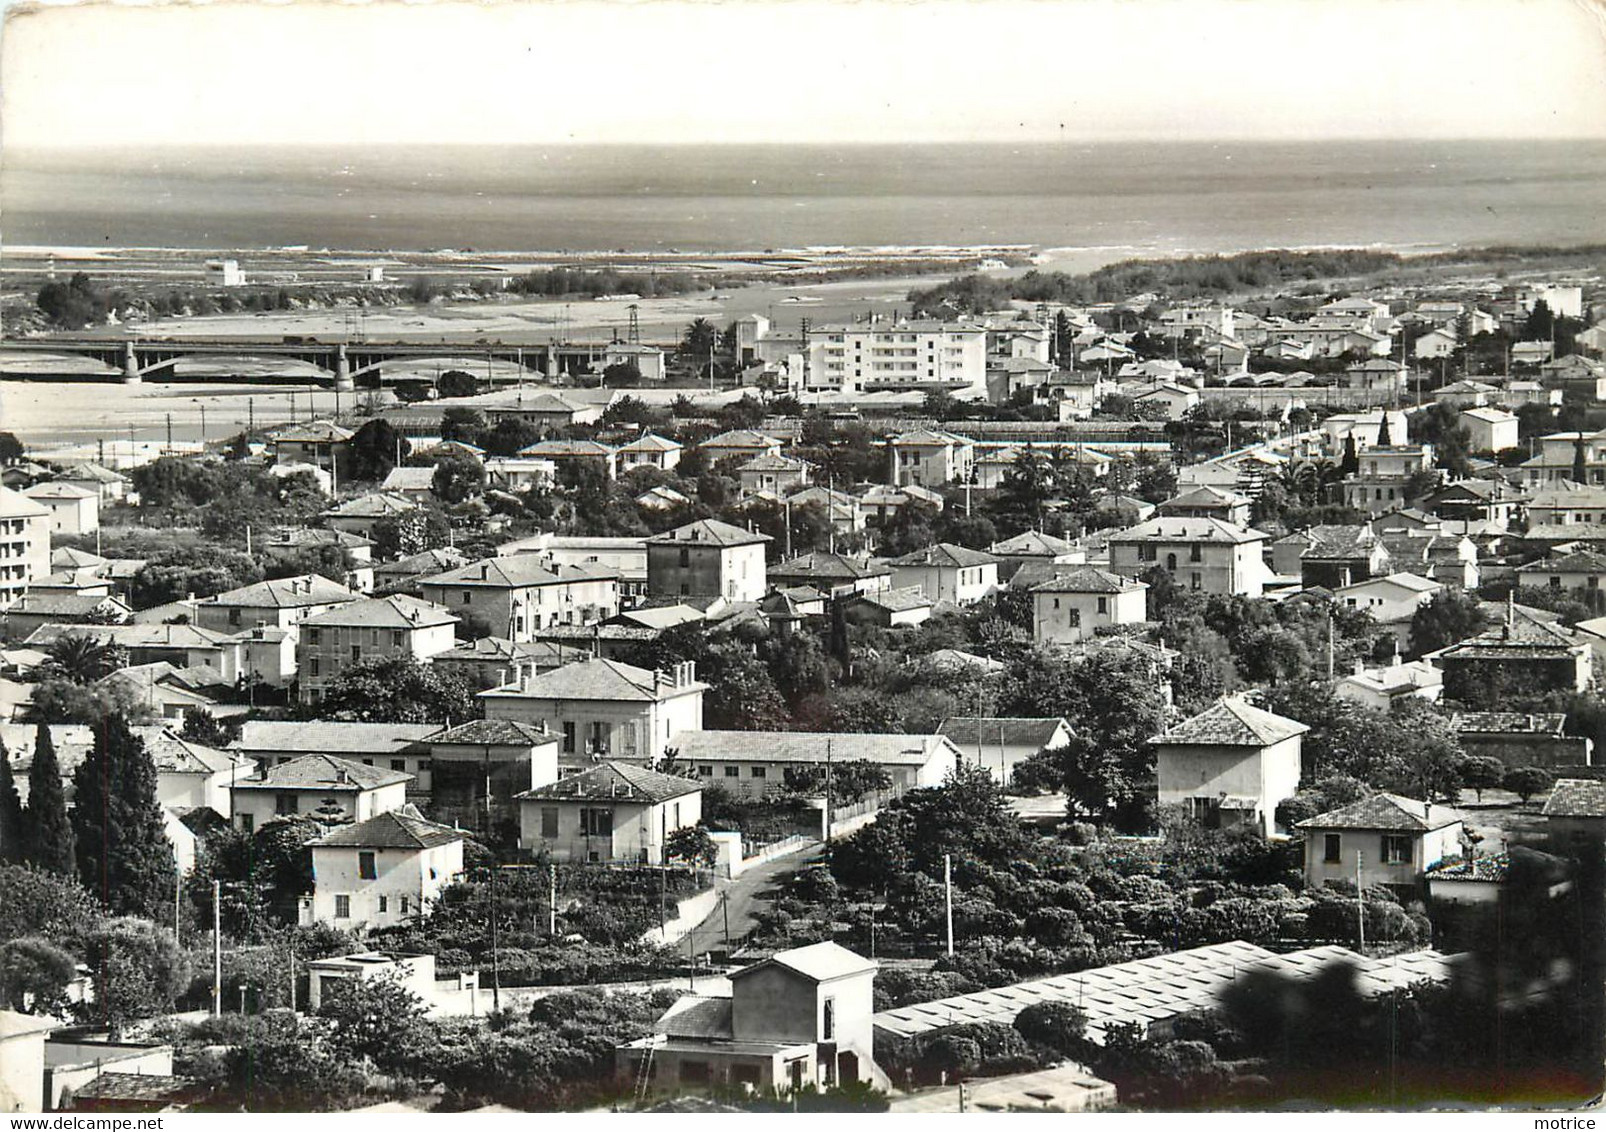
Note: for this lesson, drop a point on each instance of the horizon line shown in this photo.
(860, 143)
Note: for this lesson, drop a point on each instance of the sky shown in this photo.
(589, 71)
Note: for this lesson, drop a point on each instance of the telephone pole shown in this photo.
(948, 897)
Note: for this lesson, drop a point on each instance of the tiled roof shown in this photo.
(740, 438)
(708, 532)
(899, 600)
(817, 961)
(1385, 812)
(1508, 722)
(314, 432)
(823, 565)
(317, 536)
(1577, 798)
(1206, 496)
(62, 605)
(58, 489)
(285, 593)
(173, 753)
(1232, 723)
(651, 442)
(399, 829)
(615, 781)
(407, 478)
(395, 612)
(965, 731)
(323, 772)
(594, 679)
(697, 1016)
(374, 505)
(946, 554)
(1578, 562)
(1087, 580)
(15, 505)
(495, 733)
(808, 747)
(424, 562)
(567, 448)
(322, 736)
(1033, 544)
(137, 635)
(1523, 638)
(515, 571)
(773, 463)
(1188, 530)
(1338, 541)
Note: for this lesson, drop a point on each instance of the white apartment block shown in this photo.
(897, 355)
(24, 544)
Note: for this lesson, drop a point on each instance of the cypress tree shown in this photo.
(122, 848)
(10, 812)
(1383, 437)
(47, 832)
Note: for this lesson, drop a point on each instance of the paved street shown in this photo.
(746, 895)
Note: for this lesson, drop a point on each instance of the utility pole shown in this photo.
(552, 900)
(1360, 905)
(496, 966)
(948, 897)
(725, 908)
(176, 883)
(217, 948)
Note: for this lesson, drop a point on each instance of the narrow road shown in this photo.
(746, 895)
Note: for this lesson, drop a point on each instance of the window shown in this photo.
(1195, 553)
(313, 636)
(398, 638)
(596, 823)
(398, 764)
(549, 821)
(286, 803)
(705, 771)
(568, 737)
(828, 1029)
(368, 762)
(1195, 581)
(1104, 605)
(247, 822)
(694, 1072)
(356, 653)
(599, 738)
(1332, 848)
(234, 616)
(384, 905)
(314, 667)
(1396, 849)
(468, 597)
(685, 556)
(404, 906)
(367, 868)
(342, 907)
(732, 771)
(756, 772)
(1555, 582)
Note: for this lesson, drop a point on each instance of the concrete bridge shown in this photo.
(340, 364)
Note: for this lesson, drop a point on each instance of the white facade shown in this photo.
(888, 355)
(24, 544)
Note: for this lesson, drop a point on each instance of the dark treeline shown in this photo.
(1205, 276)
(557, 281)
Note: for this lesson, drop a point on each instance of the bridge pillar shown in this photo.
(343, 382)
(552, 362)
(131, 374)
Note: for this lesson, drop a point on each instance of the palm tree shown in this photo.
(83, 659)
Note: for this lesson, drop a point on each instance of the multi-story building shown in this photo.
(363, 515)
(707, 558)
(323, 444)
(24, 544)
(1383, 480)
(741, 445)
(381, 871)
(1230, 765)
(1074, 605)
(74, 510)
(517, 595)
(650, 450)
(1200, 554)
(947, 572)
(929, 458)
(604, 708)
(281, 603)
(612, 812)
(379, 629)
(877, 355)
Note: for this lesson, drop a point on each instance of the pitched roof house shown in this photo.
(613, 812)
(1230, 765)
(1384, 839)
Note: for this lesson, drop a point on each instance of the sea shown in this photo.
(1113, 199)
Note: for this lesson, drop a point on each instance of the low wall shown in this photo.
(72, 1065)
(781, 848)
(688, 914)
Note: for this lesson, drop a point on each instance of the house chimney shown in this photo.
(485, 571)
(1360, 666)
